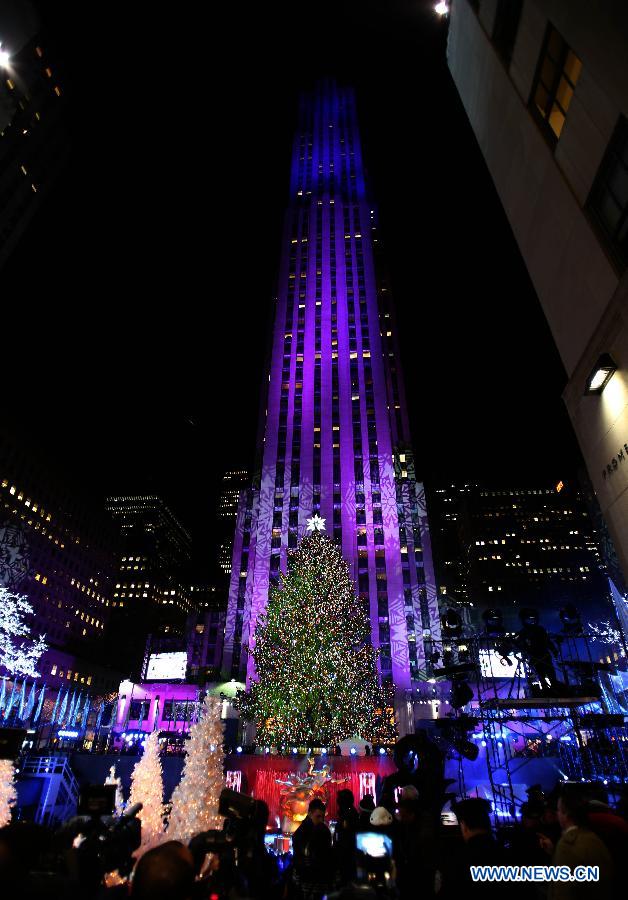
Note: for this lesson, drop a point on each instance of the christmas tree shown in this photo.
(316, 667)
(8, 795)
(147, 788)
(195, 799)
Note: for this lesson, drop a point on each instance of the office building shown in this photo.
(233, 483)
(545, 87)
(335, 439)
(60, 551)
(151, 592)
(34, 143)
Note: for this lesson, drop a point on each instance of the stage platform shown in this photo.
(537, 702)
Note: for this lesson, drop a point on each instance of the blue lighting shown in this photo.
(484, 743)
(353, 751)
(67, 733)
(294, 750)
(381, 751)
(238, 749)
(323, 751)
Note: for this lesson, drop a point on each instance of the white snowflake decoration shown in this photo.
(316, 523)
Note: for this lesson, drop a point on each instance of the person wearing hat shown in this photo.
(365, 808)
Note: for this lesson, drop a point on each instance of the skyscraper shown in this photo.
(34, 139)
(336, 440)
(233, 482)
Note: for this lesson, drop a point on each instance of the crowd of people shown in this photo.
(394, 848)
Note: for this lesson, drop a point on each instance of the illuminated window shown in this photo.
(556, 77)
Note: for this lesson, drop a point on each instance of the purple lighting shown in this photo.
(335, 440)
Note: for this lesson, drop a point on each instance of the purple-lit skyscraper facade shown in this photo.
(335, 440)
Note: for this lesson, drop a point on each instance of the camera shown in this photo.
(237, 856)
(99, 842)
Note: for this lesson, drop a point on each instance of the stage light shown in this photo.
(570, 617)
(4, 58)
(441, 9)
(353, 751)
(381, 751)
(601, 374)
(461, 694)
(323, 751)
(452, 624)
(528, 616)
(238, 749)
(493, 621)
(294, 750)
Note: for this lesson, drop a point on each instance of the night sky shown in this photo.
(137, 334)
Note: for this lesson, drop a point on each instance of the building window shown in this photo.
(608, 200)
(554, 83)
(506, 26)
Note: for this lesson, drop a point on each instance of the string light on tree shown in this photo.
(195, 799)
(8, 793)
(316, 668)
(147, 787)
(19, 654)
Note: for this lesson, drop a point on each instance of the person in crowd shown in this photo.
(414, 850)
(525, 847)
(477, 848)
(313, 871)
(344, 835)
(611, 829)
(164, 873)
(366, 807)
(578, 846)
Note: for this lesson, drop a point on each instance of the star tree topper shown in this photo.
(315, 524)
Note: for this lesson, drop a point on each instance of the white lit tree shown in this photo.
(195, 799)
(7, 790)
(147, 787)
(19, 654)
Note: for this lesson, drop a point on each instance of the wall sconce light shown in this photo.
(601, 374)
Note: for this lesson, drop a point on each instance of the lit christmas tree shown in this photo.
(8, 795)
(195, 798)
(18, 654)
(147, 788)
(316, 667)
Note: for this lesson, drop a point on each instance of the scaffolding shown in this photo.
(549, 703)
(536, 696)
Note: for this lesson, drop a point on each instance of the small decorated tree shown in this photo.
(112, 778)
(8, 795)
(316, 667)
(195, 799)
(147, 787)
(19, 654)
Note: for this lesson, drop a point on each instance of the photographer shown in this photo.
(313, 872)
(165, 873)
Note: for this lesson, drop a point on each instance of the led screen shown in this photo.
(493, 665)
(167, 666)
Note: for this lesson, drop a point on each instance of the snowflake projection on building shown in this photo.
(316, 523)
(13, 555)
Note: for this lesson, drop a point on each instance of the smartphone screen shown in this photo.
(374, 844)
